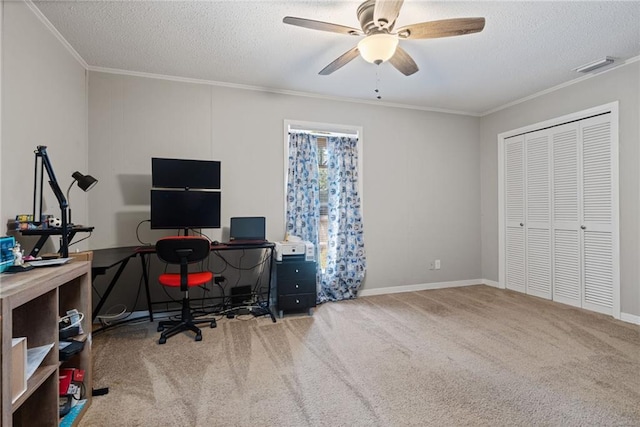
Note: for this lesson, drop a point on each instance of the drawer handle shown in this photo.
(297, 271)
(297, 301)
(297, 286)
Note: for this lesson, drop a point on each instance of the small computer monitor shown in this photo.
(182, 209)
(247, 228)
(185, 173)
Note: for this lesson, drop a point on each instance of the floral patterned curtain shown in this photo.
(346, 261)
(303, 200)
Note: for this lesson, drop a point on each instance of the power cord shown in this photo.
(138, 235)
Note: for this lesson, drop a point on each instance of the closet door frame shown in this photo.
(610, 108)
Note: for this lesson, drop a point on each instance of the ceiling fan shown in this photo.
(377, 19)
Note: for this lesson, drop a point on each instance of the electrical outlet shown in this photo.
(437, 264)
(431, 266)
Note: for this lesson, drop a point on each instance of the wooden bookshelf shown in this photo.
(31, 304)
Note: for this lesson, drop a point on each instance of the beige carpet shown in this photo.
(464, 356)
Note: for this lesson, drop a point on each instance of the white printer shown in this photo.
(294, 248)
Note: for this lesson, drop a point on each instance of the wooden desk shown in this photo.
(31, 304)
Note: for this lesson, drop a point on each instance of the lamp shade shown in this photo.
(378, 48)
(86, 182)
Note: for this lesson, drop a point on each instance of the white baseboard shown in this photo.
(492, 283)
(630, 318)
(419, 287)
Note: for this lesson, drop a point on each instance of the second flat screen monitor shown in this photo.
(185, 209)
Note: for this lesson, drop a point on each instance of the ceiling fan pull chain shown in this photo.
(377, 90)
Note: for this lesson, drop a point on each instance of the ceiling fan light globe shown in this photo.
(378, 48)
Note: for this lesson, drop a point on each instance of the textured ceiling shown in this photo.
(525, 48)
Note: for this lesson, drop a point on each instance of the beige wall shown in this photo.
(44, 101)
(621, 85)
(421, 192)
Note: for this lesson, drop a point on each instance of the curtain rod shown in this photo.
(323, 133)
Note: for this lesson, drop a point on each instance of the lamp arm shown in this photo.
(53, 181)
(41, 152)
(69, 190)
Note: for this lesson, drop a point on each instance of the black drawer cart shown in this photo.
(295, 286)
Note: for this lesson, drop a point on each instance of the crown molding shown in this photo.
(56, 33)
(272, 90)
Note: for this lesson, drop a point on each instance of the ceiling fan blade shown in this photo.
(443, 28)
(322, 26)
(341, 61)
(386, 12)
(403, 62)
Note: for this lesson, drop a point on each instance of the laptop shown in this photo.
(247, 230)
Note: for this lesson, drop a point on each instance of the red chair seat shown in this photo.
(194, 279)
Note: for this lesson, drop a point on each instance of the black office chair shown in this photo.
(183, 250)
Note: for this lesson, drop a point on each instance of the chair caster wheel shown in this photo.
(162, 340)
(199, 337)
(213, 324)
(160, 328)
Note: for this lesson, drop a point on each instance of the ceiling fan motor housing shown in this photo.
(365, 16)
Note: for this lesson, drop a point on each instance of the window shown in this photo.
(320, 133)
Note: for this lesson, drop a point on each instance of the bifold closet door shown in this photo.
(528, 204)
(584, 239)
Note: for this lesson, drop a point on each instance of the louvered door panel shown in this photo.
(598, 271)
(600, 278)
(538, 214)
(596, 170)
(515, 215)
(538, 263)
(515, 250)
(566, 267)
(565, 175)
(538, 203)
(515, 180)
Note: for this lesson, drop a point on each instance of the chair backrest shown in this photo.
(175, 249)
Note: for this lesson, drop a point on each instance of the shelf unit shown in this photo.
(31, 304)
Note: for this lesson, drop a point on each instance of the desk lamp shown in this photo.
(86, 182)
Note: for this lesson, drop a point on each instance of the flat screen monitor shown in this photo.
(183, 173)
(181, 209)
(247, 228)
